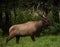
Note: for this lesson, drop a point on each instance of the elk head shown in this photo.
(45, 19)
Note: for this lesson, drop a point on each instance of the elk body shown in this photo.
(31, 28)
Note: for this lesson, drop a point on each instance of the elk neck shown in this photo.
(45, 22)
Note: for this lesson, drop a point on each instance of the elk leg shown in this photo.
(32, 37)
(17, 39)
(10, 37)
(7, 40)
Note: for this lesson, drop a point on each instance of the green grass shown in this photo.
(43, 41)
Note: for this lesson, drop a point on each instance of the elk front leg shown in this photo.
(33, 37)
(17, 39)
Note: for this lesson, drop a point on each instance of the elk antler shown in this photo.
(41, 13)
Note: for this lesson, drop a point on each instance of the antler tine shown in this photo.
(41, 13)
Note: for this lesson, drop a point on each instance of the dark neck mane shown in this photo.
(45, 21)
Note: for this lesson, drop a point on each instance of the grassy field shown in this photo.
(43, 41)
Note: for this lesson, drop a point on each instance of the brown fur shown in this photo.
(26, 28)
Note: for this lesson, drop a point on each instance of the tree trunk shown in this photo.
(59, 16)
(7, 24)
(0, 18)
(56, 16)
(15, 14)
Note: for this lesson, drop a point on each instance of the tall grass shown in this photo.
(42, 41)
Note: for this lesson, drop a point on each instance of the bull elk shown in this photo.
(31, 28)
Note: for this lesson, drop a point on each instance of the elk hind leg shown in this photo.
(9, 38)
